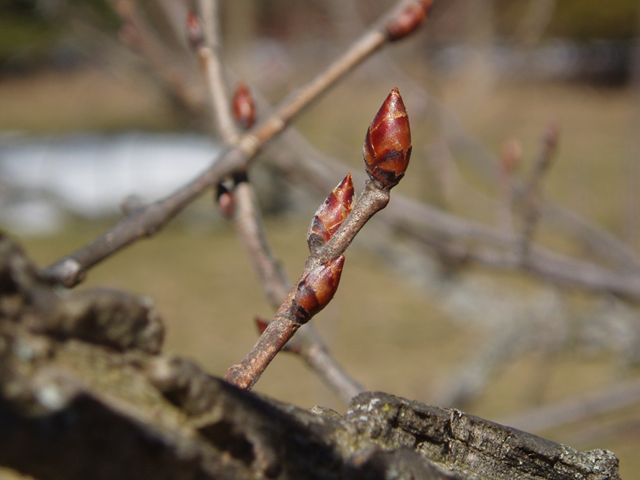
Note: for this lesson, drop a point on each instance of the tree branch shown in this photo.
(145, 222)
(387, 150)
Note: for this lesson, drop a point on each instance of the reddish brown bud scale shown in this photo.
(387, 146)
(331, 214)
(317, 289)
(195, 35)
(244, 108)
(408, 20)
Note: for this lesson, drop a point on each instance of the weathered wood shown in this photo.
(84, 393)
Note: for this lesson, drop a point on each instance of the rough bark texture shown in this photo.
(85, 393)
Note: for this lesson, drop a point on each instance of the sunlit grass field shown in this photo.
(389, 332)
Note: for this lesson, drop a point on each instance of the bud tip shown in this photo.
(387, 146)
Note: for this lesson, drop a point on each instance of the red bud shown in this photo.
(317, 289)
(408, 20)
(244, 108)
(387, 146)
(331, 214)
(262, 324)
(195, 36)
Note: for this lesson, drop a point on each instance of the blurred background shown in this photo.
(102, 99)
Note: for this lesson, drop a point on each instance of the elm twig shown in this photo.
(387, 151)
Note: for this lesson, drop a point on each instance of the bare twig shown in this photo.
(308, 343)
(387, 151)
(71, 269)
(510, 158)
(595, 237)
(210, 60)
(285, 323)
(536, 20)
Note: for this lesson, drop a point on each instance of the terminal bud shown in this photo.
(387, 146)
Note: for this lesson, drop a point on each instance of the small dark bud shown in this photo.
(387, 146)
(195, 35)
(225, 200)
(317, 289)
(408, 20)
(244, 108)
(331, 214)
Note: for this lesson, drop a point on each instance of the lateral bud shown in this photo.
(195, 35)
(408, 20)
(331, 214)
(244, 108)
(317, 289)
(387, 146)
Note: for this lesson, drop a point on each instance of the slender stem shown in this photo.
(250, 229)
(71, 269)
(284, 325)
